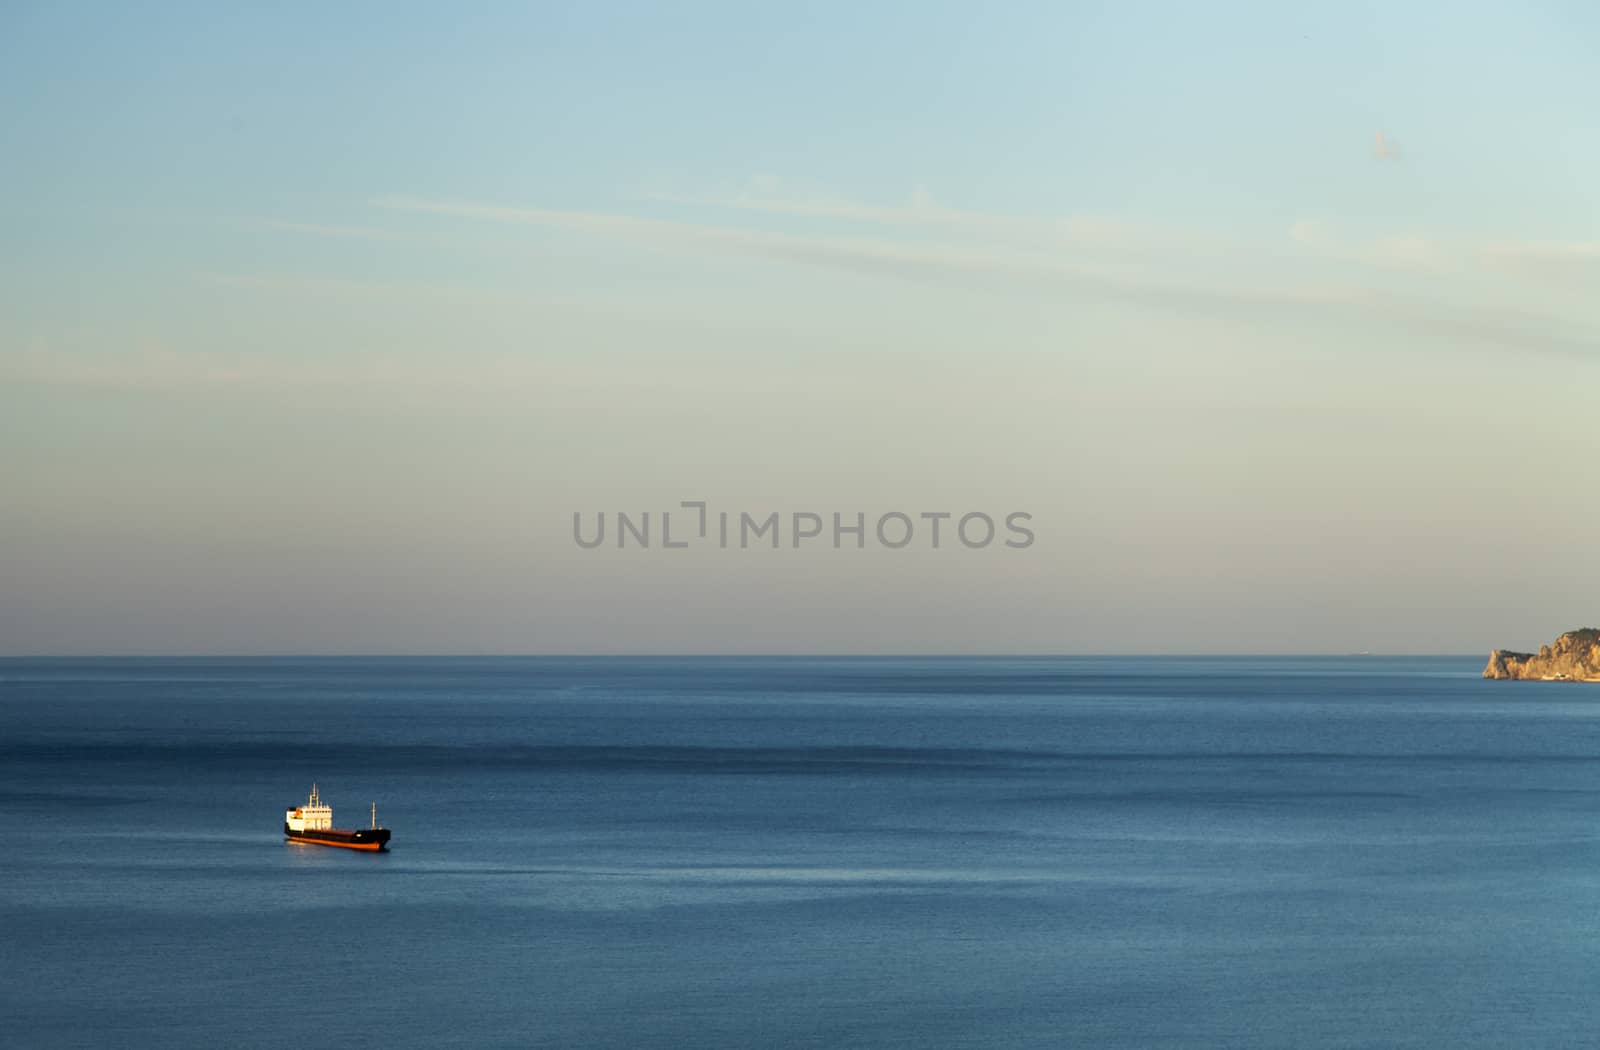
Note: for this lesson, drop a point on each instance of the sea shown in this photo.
(799, 852)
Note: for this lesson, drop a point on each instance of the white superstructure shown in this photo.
(315, 815)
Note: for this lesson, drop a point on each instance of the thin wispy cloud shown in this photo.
(880, 255)
(155, 368)
(346, 288)
(159, 368)
(1409, 252)
(1174, 286)
(1422, 253)
(148, 368)
(920, 211)
(313, 229)
(1545, 254)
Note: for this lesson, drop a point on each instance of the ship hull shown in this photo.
(370, 839)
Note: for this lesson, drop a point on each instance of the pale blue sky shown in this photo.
(316, 325)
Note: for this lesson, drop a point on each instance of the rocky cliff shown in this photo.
(1574, 657)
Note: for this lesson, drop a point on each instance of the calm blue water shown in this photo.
(800, 853)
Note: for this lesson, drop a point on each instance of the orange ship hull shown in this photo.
(373, 847)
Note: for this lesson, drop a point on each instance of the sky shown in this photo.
(318, 326)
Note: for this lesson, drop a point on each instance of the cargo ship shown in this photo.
(312, 823)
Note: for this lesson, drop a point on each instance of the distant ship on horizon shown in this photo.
(312, 823)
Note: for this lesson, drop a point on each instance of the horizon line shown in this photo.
(634, 655)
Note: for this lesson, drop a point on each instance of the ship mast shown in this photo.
(374, 815)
